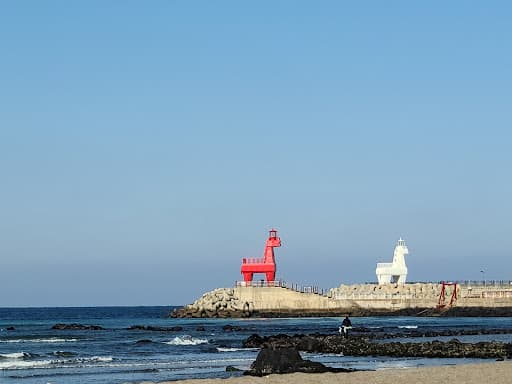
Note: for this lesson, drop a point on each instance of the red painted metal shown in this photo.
(441, 303)
(266, 264)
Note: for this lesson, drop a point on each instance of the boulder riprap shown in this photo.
(221, 302)
(286, 360)
(78, 327)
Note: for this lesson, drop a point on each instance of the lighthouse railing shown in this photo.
(253, 260)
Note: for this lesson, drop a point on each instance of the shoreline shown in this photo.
(495, 372)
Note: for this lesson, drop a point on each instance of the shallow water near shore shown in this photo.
(34, 353)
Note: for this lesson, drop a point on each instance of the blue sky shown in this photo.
(146, 147)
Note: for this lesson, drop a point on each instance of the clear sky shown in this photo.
(147, 146)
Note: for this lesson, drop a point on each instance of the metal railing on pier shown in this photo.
(470, 283)
(374, 296)
(486, 283)
(283, 284)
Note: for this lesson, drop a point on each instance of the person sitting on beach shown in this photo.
(346, 324)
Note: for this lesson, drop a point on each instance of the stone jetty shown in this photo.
(221, 302)
(419, 299)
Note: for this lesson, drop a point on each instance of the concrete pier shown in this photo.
(360, 299)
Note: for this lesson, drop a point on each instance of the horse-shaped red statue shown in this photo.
(267, 264)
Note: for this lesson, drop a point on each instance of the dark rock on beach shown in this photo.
(285, 360)
(152, 328)
(230, 368)
(254, 341)
(78, 327)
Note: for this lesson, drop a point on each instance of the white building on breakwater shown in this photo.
(395, 272)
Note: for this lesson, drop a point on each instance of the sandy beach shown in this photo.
(495, 373)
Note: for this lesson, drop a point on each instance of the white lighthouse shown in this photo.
(395, 272)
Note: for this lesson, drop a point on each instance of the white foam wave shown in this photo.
(63, 353)
(222, 349)
(24, 364)
(186, 340)
(15, 355)
(49, 340)
(408, 326)
(100, 359)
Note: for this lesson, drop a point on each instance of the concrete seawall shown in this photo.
(362, 300)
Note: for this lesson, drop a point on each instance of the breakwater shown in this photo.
(418, 299)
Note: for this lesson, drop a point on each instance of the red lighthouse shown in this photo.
(267, 264)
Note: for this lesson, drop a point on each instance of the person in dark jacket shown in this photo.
(346, 324)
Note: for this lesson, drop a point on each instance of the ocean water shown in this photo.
(34, 353)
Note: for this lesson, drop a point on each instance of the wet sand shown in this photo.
(485, 373)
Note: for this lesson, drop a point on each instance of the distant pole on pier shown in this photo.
(483, 276)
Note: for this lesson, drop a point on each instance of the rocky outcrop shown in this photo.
(219, 303)
(456, 332)
(78, 327)
(362, 346)
(285, 360)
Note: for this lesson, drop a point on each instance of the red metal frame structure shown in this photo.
(267, 264)
(441, 303)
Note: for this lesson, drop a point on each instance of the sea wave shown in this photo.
(408, 326)
(48, 340)
(23, 363)
(186, 340)
(16, 355)
(63, 353)
(226, 349)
